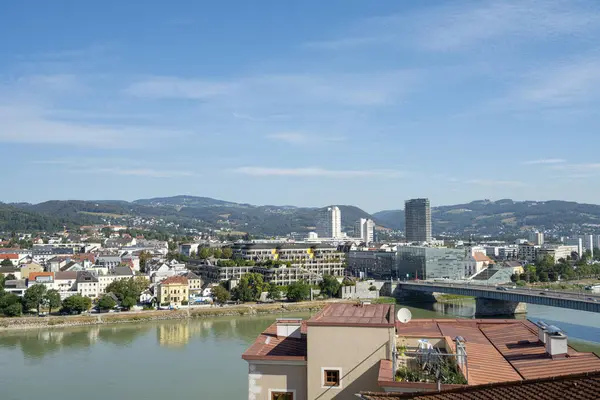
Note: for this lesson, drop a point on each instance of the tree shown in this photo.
(52, 299)
(543, 276)
(329, 286)
(11, 277)
(144, 258)
(514, 277)
(128, 291)
(227, 252)
(204, 253)
(14, 310)
(33, 297)
(274, 292)
(2, 280)
(6, 263)
(6, 301)
(250, 287)
(76, 304)
(106, 303)
(298, 291)
(217, 253)
(220, 294)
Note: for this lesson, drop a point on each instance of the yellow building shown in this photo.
(173, 291)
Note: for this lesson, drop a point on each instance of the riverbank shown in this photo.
(25, 323)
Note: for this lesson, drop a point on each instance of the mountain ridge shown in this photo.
(477, 217)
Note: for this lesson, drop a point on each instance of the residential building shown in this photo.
(16, 286)
(528, 252)
(348, 349)
(284, 263)
(188, 248)
(365, 230)
(6, 270)
(41, 278)
(216, 273)
(421, 262)
(417, 214)
(66, 283)
(115, 274)
(87, 284)
(12, 257)
(194, 281)
(26, 269)
(537, 238)
(108, 261)
(557, 252)
(329, 223)
(173, 291)
(510, 252)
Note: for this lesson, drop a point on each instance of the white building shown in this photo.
(329, 224)
(577, 241)
(536, 238)
(365, 230)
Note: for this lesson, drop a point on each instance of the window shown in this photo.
(282, 396)
(331, 377)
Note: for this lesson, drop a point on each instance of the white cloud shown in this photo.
(34, 125)
(140, 172)
(492, 182)
(302, 138)
(544, 161)
(177, 88)
(357, 89)
(317, 172)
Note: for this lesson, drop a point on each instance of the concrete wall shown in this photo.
(489, 307)
(357, 351)
(264, 377)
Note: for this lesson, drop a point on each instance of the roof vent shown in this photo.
(556, 342)
(289, 327)
(542, 326)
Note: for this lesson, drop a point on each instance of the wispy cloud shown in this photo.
(302, 138)
(140, 172)
(317, 172)
(582, 167)
(544, 161)
(493, 182)
(176, 88)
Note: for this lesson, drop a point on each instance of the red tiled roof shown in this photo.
(346, 314)
(481, 257)
(175, 280)
(584, 386)
(268, 346)
(10, 256)
(33, 275)
(520, 346)
(485, 363)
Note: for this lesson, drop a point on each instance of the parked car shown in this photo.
(543, 293)
(592, 299)
(502, 288)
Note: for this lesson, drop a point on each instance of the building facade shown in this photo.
(173, 291)
(420, 262)
(329, 223)
(365, 230)
(417, 215)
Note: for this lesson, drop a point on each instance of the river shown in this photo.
(196, 359)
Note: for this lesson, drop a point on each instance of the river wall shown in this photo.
(9, 324)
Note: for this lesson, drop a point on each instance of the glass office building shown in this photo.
(414, 262)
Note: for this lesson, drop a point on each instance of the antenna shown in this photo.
(404, 315)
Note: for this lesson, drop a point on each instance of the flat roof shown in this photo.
(351, 314)
(502, 350)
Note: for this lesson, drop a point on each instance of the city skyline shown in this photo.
(453, 102)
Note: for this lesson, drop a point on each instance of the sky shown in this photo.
(305, 103)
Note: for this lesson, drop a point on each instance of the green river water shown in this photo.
(196, 359)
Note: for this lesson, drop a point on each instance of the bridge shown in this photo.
(494, 301)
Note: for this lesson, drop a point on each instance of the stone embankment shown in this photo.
(7, 324)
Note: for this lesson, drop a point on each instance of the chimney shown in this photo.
(542, 326)
(289, 327)
(556, 342)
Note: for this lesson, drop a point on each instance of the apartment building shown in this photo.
(365, 230)
(417, 217)
(310, 260)
(115, 274)
(528, 252)
(347, 349)
(329, 223)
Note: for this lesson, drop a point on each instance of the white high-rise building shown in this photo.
(365, 230)
(329, 224)
(536, 238)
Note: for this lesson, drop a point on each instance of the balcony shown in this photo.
(429, 361)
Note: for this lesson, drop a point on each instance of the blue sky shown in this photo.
(306, 102)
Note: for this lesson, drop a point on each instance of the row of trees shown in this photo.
(38, 296)
(546, 270)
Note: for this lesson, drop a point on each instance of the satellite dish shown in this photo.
(404, 315)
